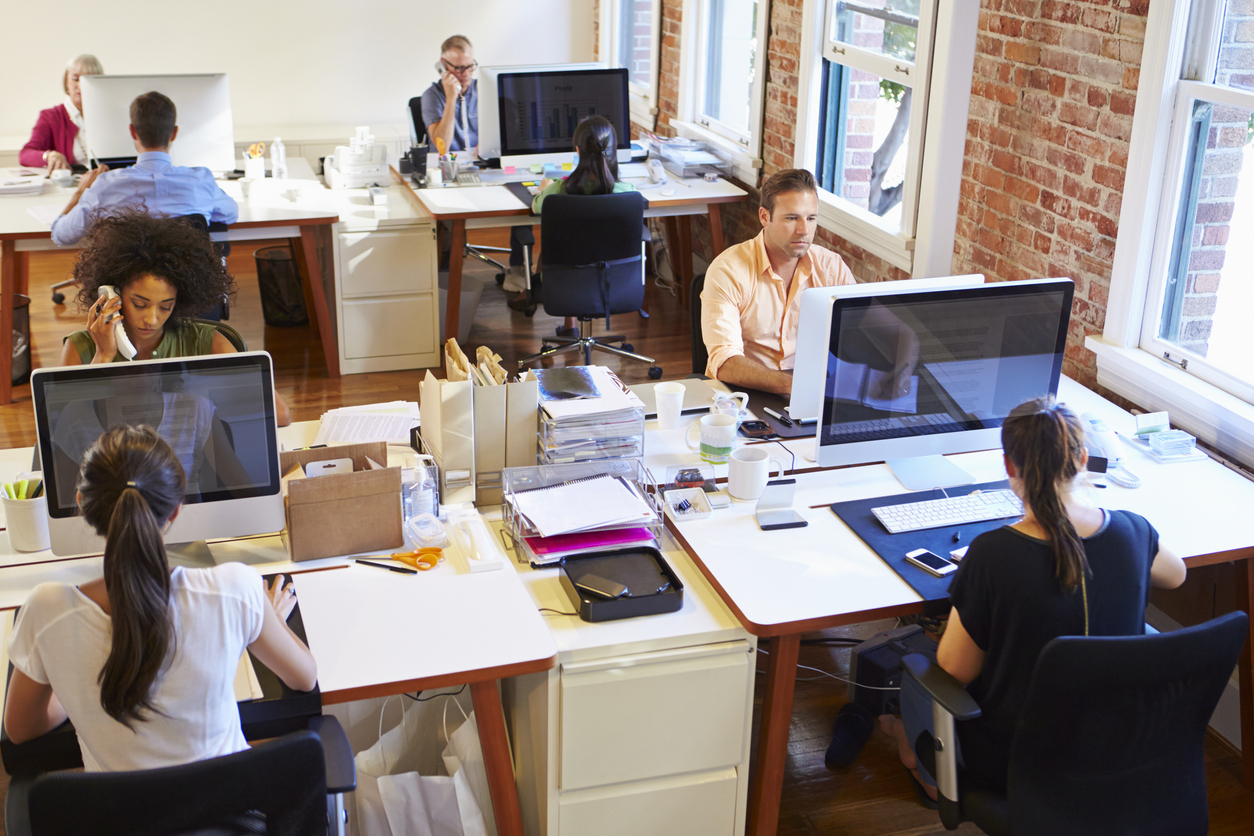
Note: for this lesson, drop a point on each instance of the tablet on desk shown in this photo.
(697, 396)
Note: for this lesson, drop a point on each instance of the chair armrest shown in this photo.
(341, 769)
(944, 689)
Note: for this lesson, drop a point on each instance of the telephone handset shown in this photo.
(1104, 442)
(440, 68)
(125, 348)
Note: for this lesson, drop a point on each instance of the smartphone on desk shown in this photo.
(931, 562)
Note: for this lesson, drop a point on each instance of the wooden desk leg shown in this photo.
(311, 266)
(768, 781)
(490, 720)
(1245, 668)
(22, 283)
(716, 230)
(8, 277)
(457, 246)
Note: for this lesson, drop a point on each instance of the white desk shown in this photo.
(784, 583)
(484, 207)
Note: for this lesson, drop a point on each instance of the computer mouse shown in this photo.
(667, 192)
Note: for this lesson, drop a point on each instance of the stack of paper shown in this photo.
(21, 184)
(389, 422)
(575, 427)
(541, 551)
(583, 505)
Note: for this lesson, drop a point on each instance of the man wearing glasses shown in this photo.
(458, 125)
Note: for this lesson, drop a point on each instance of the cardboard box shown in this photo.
(343, 513)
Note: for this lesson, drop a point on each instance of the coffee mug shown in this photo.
(748, 471)
(717, 437)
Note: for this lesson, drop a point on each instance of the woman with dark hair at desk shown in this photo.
(143, 660)
(57, 140)
(166, 273)
(1066, 569)
(596, 173)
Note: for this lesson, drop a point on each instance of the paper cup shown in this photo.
(27, 522)
(670, 400)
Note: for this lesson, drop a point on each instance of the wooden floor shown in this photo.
(873, 797)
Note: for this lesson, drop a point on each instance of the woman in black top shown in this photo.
(1066, 568)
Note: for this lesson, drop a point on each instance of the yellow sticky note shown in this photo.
(567, 166)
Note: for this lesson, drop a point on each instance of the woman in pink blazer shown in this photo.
(57, 139)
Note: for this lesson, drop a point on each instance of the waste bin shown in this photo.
(282, 300)
(21, 339)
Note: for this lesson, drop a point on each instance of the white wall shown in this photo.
(319, 62)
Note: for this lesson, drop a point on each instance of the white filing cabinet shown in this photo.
(643, 726)
(387, 301)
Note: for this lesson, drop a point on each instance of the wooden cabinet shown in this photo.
(644, 725)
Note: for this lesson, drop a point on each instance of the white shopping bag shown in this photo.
(463, 759)
(393, 799)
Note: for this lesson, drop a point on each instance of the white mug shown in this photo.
(730, 403)
(717, 437)
(748, 471)
(670, 401)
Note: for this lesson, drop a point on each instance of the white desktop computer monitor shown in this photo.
(218, 414)
(913, 376)
(206, 132)
(814, 318)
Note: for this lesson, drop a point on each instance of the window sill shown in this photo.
(745, 166)
(862, 229)
(1216, 417)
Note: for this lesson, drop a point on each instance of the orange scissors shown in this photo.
(421, 559)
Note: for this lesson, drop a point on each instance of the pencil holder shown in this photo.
(27, 522)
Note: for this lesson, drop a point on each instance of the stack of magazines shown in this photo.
(587, 414)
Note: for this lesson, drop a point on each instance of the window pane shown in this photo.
(635, 38)
(865, 140)
(887, 28)
(732, 51)
(1236, 47)
(1209, 291)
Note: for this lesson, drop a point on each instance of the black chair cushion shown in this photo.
(592, 258)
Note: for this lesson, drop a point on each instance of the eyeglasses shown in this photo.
(453, 68)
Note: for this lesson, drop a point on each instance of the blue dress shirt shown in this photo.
(466, 117)
(153, 184)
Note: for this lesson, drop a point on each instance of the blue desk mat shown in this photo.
(892, 548)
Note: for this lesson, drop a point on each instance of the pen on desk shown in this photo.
(400, 569)
(780, 418)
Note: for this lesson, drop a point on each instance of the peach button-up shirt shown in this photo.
(746, 311)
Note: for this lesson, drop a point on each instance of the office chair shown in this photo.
(1108, 742)
(593, 267)
(295, 782)
(233, 336)
(700, 356)
(522, 234)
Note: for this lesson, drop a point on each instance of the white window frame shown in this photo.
(744, 149)
(1127, 363)
(642, 99)
(941, 80)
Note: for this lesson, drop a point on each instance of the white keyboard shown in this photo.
(955, 510)
(469, 178)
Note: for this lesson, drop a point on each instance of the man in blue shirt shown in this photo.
(458, 126)
(153, 183)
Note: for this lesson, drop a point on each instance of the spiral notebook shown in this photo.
(582, 505)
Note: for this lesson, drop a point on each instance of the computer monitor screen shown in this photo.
(540, 110)
(935, 372)
(206, 134)
(217, 413)
(486, 81)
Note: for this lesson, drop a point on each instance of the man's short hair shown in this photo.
(83, 65)
(153, 117)
(782, 182)
(455, 42)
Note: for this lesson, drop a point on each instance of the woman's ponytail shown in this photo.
(597, 171)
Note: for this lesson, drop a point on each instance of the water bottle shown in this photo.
(278, 160)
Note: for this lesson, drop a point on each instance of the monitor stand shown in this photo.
(923, 473)
(193, 555)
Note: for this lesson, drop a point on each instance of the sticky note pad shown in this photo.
(509, 169)
(567, 167)
(537, 168)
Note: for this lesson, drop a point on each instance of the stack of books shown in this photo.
(587, 414)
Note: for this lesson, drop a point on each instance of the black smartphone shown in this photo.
(756, 429)
(931, 562)
(603, 587)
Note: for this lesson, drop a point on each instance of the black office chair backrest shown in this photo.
(700, 356)
(417, 126)
(234, 337)
(284, 779)
(592, 258)
(1110, 738)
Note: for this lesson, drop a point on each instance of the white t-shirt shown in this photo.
(62, 638)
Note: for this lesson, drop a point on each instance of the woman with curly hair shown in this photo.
(166, 273)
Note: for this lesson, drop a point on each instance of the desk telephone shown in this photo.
(1106, 452)
(125, 348)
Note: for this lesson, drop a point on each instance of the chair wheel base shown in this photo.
(500, 278)
(58, 298)
(655, 373)
(628, 347)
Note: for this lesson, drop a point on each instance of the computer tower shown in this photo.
(877, 663)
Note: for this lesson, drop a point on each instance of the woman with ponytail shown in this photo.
(143, 660)
(596, 173)
(1065, 569)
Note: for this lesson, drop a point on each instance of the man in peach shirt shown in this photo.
(750, 302)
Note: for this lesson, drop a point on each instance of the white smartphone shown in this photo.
(931, 562)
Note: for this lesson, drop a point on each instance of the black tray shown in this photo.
(641, 569)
